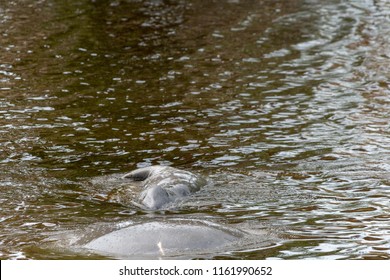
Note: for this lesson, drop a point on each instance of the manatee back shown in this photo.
(163, 239)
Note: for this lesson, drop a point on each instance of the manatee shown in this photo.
(155, 187)
(165, 239)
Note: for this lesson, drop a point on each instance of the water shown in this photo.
(283, 105)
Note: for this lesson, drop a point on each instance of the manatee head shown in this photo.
(156, 187)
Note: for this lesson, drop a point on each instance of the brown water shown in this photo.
(284, 105)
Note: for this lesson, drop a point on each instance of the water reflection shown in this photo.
(283, 104)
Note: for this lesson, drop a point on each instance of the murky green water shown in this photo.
(284, 105)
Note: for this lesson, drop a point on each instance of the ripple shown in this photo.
(291, 126)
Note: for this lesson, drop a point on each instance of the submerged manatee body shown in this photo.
(168, 239)
(163, 236)
(155, 187)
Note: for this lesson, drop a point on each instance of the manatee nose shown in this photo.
(155, 197)
(137, 176)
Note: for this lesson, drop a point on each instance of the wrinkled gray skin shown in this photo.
(161, 185)
(168, 239)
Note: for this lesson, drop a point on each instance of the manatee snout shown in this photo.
(156, 187)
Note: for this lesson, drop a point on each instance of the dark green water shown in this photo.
(284, 105)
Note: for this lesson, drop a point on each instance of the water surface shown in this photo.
(283, 105)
